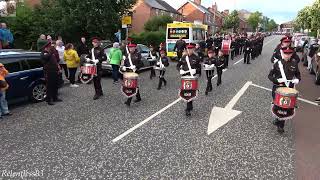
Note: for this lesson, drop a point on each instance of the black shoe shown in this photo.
(50, 103)
(57, 100)
(137, 100)
(274, 122)
(7, 114)
(95, 97)
(280, 130)
(210, 89)
(206, 93)
(248, 63)
(127, 103)
(165, 83)
(188, 113)
(317, 100)
(158, 88)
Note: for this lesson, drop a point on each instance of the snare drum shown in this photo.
(285, 97)
(90, 69)
(130, 80)
(189, 83)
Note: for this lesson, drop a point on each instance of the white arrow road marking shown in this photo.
(221, 116)
(301, 99)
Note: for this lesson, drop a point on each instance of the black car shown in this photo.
(26, 76)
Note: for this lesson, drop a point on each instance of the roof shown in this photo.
(200, 7)
(160, 4)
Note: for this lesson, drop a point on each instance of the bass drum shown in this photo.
(85, 78)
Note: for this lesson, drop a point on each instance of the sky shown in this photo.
(279, 10)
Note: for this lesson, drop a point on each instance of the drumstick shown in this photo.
(129, 56)
(189, 66)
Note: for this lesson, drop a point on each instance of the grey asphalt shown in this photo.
(73, 139)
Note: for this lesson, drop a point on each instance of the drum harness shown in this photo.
(130, 62)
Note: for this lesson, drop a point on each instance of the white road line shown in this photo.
(301, 99)
(235, 99)
(144, 121)
(263, 46)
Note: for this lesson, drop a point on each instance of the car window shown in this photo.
(13, 66)
(34, 63)
(25, 65)
(143, 49)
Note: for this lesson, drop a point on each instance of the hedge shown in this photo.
(149, 38)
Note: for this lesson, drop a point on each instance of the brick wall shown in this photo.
(32, 3)
(142, 13)
(191, 13)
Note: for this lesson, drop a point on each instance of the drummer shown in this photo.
(162, 63)
(153, 58)
(292, 73)
(184, 69)
(219, 63)
(209, 64)
(134, 67)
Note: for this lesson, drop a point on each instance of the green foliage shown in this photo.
(157, 23)
(232, 21)
(147, 38)
(69, 18)
(272, 25)
(304, 18)
(254, 19)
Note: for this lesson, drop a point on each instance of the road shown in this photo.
(81, 138)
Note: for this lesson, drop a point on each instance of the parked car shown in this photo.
(315, 67)
(26, 76)
(145, 53)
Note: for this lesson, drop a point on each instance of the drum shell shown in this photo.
(189, 84)
(283, 113)
(130, 81)
(225, 47)
(286, 101)
(89, 69)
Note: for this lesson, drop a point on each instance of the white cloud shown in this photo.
(280, 10)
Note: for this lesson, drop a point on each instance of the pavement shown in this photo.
(153, 139)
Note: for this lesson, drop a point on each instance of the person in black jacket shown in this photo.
(162, 68)
(285, 42)
(291, 70)
(180, 46)
(209, 64)
(217, 43)
(182, 65)
(136, 65)
(82, 48)
(247, 51)
(99, 56)
(50, 57)
(154, 55)
(220, 65)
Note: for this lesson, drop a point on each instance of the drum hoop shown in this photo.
(127, 95)
(287, 94)
(189, 78)
(195, 97)
(284, 118)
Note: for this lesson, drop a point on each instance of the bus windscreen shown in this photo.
(176, 33)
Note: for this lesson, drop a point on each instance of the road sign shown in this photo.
(126, 20)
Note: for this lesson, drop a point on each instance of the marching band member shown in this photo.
(188, 66)
(220, 65)
(277, 54)
(247, 51)
(132, 63)
(96, 56)
(209, 64)
(154, 56)
(285, 70)
(162, 63)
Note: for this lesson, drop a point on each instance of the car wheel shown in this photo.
(317, 76)
(38, 92)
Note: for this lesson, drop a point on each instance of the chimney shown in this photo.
(215, 7)
(198, 2)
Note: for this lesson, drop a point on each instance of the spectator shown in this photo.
(60, 48)
(118, 36)
(83, 48)
(3, 87)
(115, 56)
(73, 60)
(41, 42)
(51, 68)
(49, 38)
(6, 37)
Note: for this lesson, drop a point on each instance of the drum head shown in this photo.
(189, 77)
(285, 91)
(130, 75)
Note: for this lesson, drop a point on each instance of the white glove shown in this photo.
(318, 54)
(182, 72)
(275, 60)
(158, 63)
(295, 81)
(124, 68)
(212, 66)
(281, 80)
(193, 71)
(161, 66)
(95, 61)
(206, 65)
(123, 57)
(88, 60)
(133, 67)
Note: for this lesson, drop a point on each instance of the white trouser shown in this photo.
(309, 62)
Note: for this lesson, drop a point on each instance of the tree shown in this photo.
(157, 23)
(271, 25)
(304, 18)
(254, 20)
(232, 21)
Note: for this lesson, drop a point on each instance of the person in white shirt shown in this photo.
(60, 48)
